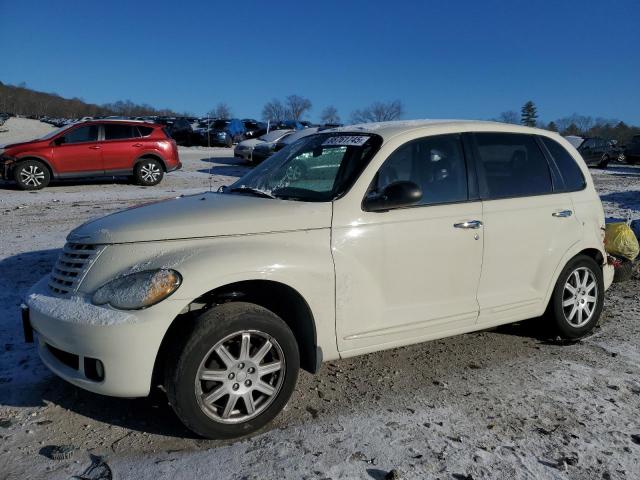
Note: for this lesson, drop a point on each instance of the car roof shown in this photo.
(390, 129)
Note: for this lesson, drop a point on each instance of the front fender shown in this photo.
(301, 260)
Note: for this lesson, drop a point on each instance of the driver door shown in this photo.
(77, 152)
(410, 274)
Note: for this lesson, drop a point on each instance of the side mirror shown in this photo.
(60, 141)
(395, 195)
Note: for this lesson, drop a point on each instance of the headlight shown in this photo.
(138, 290)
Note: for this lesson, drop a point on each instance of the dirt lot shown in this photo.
(505, 403)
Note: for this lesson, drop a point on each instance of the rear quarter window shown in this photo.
(145, 131)
(570, 171)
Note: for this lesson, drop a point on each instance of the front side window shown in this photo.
(316, 168)
(87, 133)
(511, 165)
(119, 132)
(571, 173)
(436, 164)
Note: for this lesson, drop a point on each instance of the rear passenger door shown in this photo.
(120, 147)
(529, 225)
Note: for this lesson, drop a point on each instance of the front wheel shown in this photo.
(578, 297)
(148, 173)
(31, 175)
(235, 371)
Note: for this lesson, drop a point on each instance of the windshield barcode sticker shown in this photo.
(347, 140)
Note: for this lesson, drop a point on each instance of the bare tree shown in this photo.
(330, 115)
(221, 110)
(274, 111)
(297, 106)
(378, 112)
(510, 116)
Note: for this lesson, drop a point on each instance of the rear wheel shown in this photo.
(578, 297)
(235, 371)
(604, 161)
(148, 172)
(31, 175)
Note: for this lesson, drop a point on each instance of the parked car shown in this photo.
(598, 151)
(253, 128)
(286, 125)
(141, 150)
(632, 150)
(382, 242)
(264, 150)
(225, 132)
(178, 128)
(244, 149)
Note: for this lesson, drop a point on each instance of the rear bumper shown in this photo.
(607, 275)
(178, 166)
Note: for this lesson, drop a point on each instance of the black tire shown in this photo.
(31, 175)
(623, 272)
(148, 172)
(558, 314)
(186, 393)
(604, 162)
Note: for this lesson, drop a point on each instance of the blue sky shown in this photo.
(443, 59)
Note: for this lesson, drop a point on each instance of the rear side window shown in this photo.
(511, 165)
(119, 132)
(571, 173)
(145, 131)
(88, 133)
(436, 164)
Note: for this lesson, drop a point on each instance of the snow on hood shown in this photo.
(204, 215)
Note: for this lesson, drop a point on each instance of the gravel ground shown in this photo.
(505, 403)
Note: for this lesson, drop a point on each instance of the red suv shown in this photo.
(138, 149)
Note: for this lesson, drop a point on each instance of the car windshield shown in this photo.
(221, 123)
(56, 132)
(317, 168)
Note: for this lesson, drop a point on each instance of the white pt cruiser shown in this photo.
(346, 242)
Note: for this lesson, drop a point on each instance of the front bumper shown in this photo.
(72, 332)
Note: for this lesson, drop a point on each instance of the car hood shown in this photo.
(204, 215)
(250, 143)
(21, 144)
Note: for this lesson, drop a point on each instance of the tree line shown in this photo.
(21, 100)
(575, 124)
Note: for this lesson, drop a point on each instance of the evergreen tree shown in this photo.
(529, 114)
(552, 126)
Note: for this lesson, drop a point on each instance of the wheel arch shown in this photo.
(46, 163)
(281, 299)
(592, 252)
(153, 156)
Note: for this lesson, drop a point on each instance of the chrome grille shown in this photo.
(71, 267)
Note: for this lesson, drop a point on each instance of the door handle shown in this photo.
(95, 147)
(562, 213)
(475, 224)
(137, 144)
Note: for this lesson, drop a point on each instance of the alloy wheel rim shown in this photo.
(240, 376)
(580, 297)
(32, 175)
(150, 172)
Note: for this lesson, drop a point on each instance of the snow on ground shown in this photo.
(504, 403)
(17, 130)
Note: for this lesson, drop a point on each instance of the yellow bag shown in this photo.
(620, 240)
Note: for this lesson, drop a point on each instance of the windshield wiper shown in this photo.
(253, 191)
